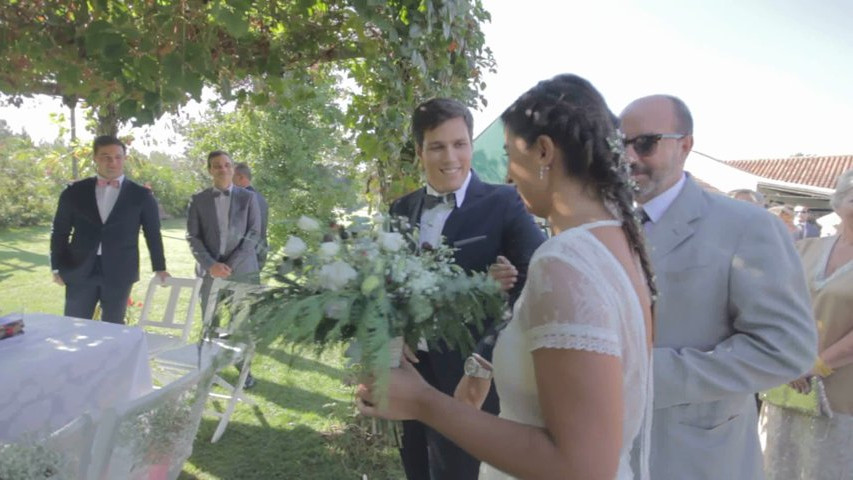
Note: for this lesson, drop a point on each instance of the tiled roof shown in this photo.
(814, 171)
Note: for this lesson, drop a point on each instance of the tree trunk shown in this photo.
(71, 103)
(108, 120)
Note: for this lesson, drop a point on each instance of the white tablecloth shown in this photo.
(61, 367)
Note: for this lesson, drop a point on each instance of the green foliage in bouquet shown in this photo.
(367, 284)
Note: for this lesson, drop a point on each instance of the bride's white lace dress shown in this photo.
(577, 296)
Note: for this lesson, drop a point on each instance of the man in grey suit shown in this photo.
(243, 178)
(733, 316)
(223, 228)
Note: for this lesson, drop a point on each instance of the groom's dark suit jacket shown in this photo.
(492, 221)
(77, 217)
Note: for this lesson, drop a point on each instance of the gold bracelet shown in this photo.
(821, 368)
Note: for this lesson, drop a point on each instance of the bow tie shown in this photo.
(217, 192)
(112, 183)
(431, 201)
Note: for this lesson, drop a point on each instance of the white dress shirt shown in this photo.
(106, 197)
(223, 209)
(433, 219)
(656, 207)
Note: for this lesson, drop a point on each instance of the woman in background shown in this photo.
(799, 446)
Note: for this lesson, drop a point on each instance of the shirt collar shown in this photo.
(460, 194)
(656, 207)
(120, 179)
(230, 189)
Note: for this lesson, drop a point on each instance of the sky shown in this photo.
(763, 78)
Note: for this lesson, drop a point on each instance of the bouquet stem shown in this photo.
(395, 428)
(395, 351)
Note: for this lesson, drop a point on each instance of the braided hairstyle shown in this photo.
(570, 111)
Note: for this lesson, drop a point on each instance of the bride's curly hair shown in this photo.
(570, 111)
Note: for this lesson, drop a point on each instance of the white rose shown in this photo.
(423, 282)
(391, 241)
(336, 275)
(308, 224)
(329, 250)
(294, 247)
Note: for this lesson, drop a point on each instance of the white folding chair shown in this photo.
(218, 352)
(157, 341)
(152, 436)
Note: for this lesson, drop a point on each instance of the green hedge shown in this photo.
(32, 177)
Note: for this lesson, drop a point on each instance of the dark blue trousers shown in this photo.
(428, 455)
(81, 297)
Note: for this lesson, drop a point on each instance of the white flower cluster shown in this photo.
(328, 250)
(334, 276)
(308, 224)
(295, 247)
(424, 283)
(391, 241)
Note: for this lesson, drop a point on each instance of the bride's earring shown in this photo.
(542, 170)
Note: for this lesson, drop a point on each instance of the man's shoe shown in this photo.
(250, 382)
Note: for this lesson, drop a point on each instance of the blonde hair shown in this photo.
(782, 211)
(843, 186)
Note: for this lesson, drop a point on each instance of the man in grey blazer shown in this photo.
(223, 229)
(733, 316)
(243, 178)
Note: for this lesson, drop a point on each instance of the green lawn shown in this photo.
(303, 426)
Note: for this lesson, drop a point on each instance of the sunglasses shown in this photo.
(646, 144)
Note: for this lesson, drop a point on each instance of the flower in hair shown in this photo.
(616, 142)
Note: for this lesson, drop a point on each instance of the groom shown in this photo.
(94, 243)
(483, 222)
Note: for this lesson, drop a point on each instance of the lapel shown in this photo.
(457, 219)
(90, 200)
(233, 214)
(210, 205)
(675, 225)
(415, 206)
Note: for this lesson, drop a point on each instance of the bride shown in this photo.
(573, 367)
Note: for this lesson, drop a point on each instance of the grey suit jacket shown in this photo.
(733, 317)
(244, 228)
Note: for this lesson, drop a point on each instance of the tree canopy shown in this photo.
(134, 60)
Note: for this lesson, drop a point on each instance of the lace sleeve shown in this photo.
(567, 306)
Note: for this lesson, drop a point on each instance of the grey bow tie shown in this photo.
(217, 192)
(432, 201)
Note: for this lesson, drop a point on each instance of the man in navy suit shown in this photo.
(101, 216)
(489, 226)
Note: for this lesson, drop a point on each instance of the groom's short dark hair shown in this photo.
(106, 140)
(435, 111)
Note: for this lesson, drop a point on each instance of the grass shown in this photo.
(303, 426)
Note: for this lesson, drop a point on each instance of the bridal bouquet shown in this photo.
(369, 285)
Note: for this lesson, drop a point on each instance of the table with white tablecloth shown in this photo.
(61, 367)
